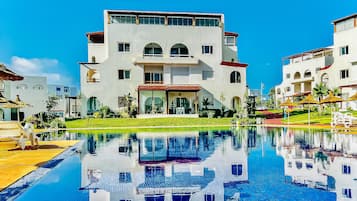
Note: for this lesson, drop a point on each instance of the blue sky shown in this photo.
(47, 38)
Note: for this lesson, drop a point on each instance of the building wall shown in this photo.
(139, 35)
(26, 89)
(342, 37)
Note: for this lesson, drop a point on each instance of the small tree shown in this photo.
(320, 90)
(51, 103)
(205, 103)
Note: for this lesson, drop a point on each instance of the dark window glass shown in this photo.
(121, 74)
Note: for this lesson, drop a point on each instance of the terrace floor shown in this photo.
(16, 163)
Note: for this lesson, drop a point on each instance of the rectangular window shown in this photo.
(179, 21)
(207, 22)
(122, 101)
(237, 169)
(347, 192)
(153, 77)
(207, 75)
(207, 49)
(66, 89)
(151, 20)
(123, 47)
(287, 75)
(209, 197)
(229, 40)
(344, 50)
(344, 74)
(123, 19)
(346, 169)
(123, 74)
(124, 177)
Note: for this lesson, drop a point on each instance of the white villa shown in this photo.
(164, 62)
(335, 66)
(338, 173)
(153, 167)
(26, 89)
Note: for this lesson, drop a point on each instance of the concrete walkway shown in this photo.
(272, 118)
(15, 163)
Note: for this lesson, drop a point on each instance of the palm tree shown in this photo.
(320, 90)
(336, 91)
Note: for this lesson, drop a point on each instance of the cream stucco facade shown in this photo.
(335, 66)
(165, 62)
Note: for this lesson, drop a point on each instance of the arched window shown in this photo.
(93, 75)
(297, 76)
(153, 49)
(21, 86)
(307, 74)
(37, 87)
(154, 105)
(236, 102)
(179, 50)
(235, 77)
(324, 78)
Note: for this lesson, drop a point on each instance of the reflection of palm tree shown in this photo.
(320, 156)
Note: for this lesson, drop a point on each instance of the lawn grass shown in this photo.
(118, 123)
(301, 117)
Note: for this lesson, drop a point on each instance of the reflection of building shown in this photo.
(320, 160)
(164, 166)
(26, 89)
(169, 62)
(334, 66)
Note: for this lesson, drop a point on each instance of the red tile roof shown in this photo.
(98, 33)
(231, 34)
(326, 67)
(234, 64)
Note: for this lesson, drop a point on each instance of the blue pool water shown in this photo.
(251, 163)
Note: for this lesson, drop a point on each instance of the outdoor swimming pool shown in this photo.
(254, 163)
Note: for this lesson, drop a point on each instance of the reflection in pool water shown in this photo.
(248, 163)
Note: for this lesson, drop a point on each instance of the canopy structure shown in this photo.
(16, 104)
(309, 100)
(353, 98)
(288, 103)
(331, 99)
(7, 74)
(3, 99)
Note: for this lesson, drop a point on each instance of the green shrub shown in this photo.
(57, 123)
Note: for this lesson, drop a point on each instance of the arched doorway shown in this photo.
(154, 105)
(1, 114)
(236, 102)
(92, 105)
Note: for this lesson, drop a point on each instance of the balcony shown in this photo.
(174, 60)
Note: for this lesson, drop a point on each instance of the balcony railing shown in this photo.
(153, 55)
(153, 82)
(180, 55)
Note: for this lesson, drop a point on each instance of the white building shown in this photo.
(167, 62)
(68, 100)
(32, 90)
(338, 173)
(156, 166)
(335, 66)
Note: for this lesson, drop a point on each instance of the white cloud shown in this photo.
(49, 68)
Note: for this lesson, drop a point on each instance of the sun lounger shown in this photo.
(345, 119)
(13, 131)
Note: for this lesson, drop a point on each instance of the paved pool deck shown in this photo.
(16, 163)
